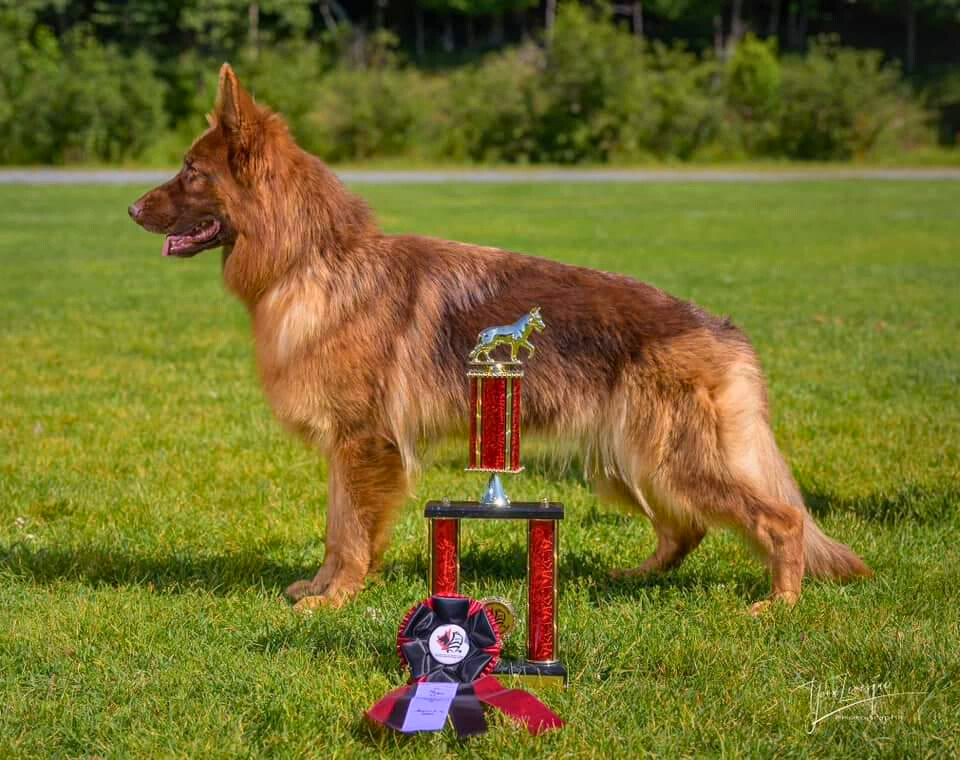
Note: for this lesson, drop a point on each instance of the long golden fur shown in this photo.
(360, 340)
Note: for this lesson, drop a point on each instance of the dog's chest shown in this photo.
(297, 382)
(316, 374)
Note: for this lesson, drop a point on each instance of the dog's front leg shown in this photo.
(366, 486)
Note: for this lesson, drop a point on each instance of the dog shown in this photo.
(361, 338)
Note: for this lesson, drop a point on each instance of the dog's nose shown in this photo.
(135, 209)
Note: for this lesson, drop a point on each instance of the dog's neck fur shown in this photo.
(270, 245)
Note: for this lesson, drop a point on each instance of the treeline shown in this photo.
(920, 33)
(107, 81)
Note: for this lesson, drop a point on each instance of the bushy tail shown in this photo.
(826, 558)
(823, 557)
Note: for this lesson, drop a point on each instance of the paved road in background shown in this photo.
(127, 177)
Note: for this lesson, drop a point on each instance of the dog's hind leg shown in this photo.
(774, 528)
(367, 484)
(675, 539)
(673, 546)
(702, 473)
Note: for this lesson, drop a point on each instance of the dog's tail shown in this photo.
(826, 558)
(823, 557)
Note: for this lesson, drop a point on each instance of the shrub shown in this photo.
(754, 88)
(288, 78)
(594, 93)
(366, 113)
(944, 96)
(81, 102)
(753, 78)
(669, 108)
(840, 103)
(489, 111)
(588, 60)
(28, 75)
(110, 107)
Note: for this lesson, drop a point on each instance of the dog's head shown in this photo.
(536, 321)
(199, 208)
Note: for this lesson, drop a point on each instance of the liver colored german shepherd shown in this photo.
(361, 340)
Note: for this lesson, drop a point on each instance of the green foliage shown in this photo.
(594, 94)
(591, 92)
(588, 59)
(466, 126)
(360, 114)
(478, 7)
(754, 92)
(841, 103)
(286, 77)
(944, 95)
(80, 101)
(669, 108)
(224, 27)
(111, 107)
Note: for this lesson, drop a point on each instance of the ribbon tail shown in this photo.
(395, 701)
(520, 705)
(466, 713)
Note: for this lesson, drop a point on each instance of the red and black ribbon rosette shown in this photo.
(454, 640)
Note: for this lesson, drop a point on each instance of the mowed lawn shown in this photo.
(151, 511)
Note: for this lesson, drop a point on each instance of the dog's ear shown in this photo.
(237, 114)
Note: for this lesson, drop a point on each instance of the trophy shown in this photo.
(495, 393)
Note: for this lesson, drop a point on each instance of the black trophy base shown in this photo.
(518, 510)
(533, 674)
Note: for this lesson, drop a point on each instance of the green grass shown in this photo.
(151, 511)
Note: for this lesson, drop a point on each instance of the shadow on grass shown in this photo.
(226, 573)
(909, 502)
(593, 572)
(539, 462)
(168, 573)
(175, 572)
(327, 635)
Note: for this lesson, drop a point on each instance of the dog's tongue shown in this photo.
(166, 245)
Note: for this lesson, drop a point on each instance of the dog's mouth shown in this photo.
(207, 234)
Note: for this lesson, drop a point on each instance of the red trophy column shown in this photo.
(495, 417)
(444, 556)
(542, 591)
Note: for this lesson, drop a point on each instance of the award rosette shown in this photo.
(451, 644)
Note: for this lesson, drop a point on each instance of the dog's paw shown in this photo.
(309, 595)
(302, 589)
(308, 604)
(787, 597)
(318, 586)
(648, 568)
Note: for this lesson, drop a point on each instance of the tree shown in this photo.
(225, 26)
(471, 9)
(940, 10)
